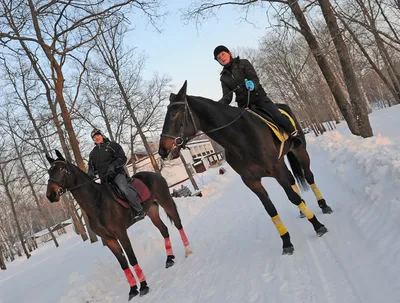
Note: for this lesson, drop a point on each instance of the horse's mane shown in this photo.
(221, 106)
(82, 173)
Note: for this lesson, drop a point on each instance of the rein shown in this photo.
(181, 140)
(62, 188)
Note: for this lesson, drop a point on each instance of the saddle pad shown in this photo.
(282, 136)
(140, 188)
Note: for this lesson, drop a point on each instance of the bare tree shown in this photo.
(9, 128)
(356, 97)
(7, 178)
(126, 74)
(24, 92)
(2, 263)
(204, 9)
(362, 17)
(61, 32)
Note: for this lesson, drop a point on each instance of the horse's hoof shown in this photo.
(133, 293)
(188, 251)
(170, 261)
(144, 291)
(288, 250)
(327, 210)
(302, 215)
(321, 231)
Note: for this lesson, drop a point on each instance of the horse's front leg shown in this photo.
(256, 186)
(126, 244)
(116, 249)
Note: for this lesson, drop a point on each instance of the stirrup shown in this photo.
(294, 133)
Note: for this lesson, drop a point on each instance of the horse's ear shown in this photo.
(182, 92)
(172, 97)
(50, 159)
(59, 156)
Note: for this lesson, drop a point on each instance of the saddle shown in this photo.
(137, 185)
(279, 133)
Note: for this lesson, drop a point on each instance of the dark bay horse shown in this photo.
(251, 150)
(110, 220)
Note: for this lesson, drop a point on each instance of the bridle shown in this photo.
(61, 185)
(181, 140)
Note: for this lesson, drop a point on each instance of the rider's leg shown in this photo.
(130, 194)
(282, 120)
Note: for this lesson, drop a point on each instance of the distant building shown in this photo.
(199, 156)
(58, 229)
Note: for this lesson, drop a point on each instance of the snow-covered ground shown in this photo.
(237, 251)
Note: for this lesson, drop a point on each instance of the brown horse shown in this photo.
(251, 149)
(110, 220)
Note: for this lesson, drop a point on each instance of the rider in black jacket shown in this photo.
(238, 76)
(107, 160)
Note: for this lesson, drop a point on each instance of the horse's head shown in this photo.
(58, 177)
(179, 125)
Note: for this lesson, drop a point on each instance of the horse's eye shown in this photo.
(174, 112)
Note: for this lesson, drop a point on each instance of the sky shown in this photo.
(186, 53)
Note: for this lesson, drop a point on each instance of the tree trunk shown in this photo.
(11, 200)
(78, 225)
(393, 85)
(2, 262)
(189, 173)
(35, 197)
(58, 82)
(358, 103)
(136, 122)
(323, 64)
(56, 122)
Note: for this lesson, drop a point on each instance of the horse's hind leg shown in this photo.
(304, 158)
(166, 201)
(116, 249)
(154, 215)
(280, 174)
(126, 244)
(292, 182)
(256, 186)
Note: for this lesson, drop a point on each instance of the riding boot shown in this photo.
(131, 196)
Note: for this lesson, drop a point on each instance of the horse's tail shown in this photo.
(298, 171)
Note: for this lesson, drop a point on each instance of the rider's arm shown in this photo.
(120, 158)
(250, 73)
(227, 94)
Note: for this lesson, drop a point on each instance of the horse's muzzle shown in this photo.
(163, 152)
(53, 193)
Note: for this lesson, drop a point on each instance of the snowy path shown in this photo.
(237, 255)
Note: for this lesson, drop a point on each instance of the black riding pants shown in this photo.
(268, 105)
(128, 191)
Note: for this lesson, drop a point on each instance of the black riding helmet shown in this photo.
(95, 132)
(219, 49)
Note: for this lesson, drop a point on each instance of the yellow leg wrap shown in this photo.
(316, 191)
(279, 225)
(306, 211)
(296, 189)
